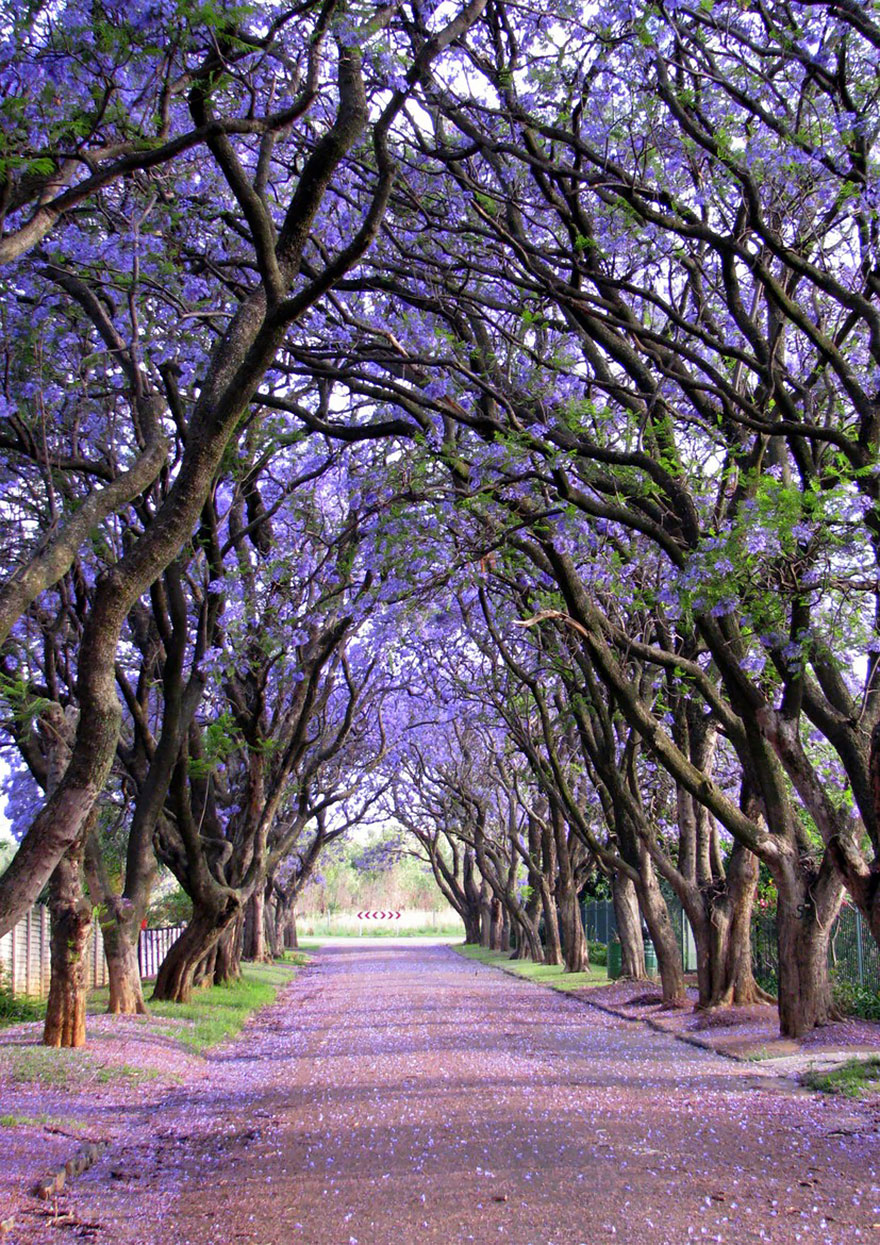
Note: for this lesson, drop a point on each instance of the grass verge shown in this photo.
(214, 1013)
(66, 1069)
(55, 1123)
(851, 1079)
(546, 974)
(217, 1013)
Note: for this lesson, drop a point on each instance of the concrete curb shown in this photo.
(50, 1186)
(763, 1068)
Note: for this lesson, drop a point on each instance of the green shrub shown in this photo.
(16, 1008)
(598, 953)
(855, 1000)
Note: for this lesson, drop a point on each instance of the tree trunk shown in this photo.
(574, 943)
(227, 956)
(123, 969)
(71, 922)
(272, 926)
(529, 945)
(255, 928)
(496, 926)
(552, 943)
(656, 915)
(731, 980)
(471, 918)
(629, 927)
(204, 974)
(175, 979)
(291, 940)
(505, 930)
(806, 908)
(485, 916)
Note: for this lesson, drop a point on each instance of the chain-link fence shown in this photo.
(600, 923)
(853, 954)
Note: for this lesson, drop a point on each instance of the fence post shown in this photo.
(27, 952)
(860, 950)
(45, 965)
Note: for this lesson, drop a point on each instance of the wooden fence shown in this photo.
(25, 963)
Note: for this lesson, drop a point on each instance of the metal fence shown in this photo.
(853, 955)
(600, 925)
(153, 947)
(25, 963)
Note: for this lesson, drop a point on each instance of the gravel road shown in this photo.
(398, 1094)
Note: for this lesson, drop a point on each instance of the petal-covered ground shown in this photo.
(407, 1095)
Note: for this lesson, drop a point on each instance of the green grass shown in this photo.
(758, 1056)
(546, 974)
(43, 1121)
(16, 1009)
(851, 1079)
(216, 1013)
(65, 1069)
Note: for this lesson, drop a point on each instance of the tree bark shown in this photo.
(471, 918)
(496, 925)
(574, 943)
(806, 908)
(226, 967)
(730, 978)
(552, 940)
(255, 927)
(274, 931)
(656, 915)
(485, 916)
(123, 968)
(175, 979)
(71, 923)
(629, 927)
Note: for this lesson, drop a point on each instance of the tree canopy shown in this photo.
(464, 411)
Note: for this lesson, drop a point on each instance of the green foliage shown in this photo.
(598, 954)
(171, 907)
(220, 739)
(766, 894)
(24, 707)
(855, 1000)
(355, 875)
(16, 1009)
(7, 851)
(851, 1079)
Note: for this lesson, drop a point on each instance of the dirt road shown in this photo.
(408, 1095)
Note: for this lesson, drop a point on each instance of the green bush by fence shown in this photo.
(853, 955)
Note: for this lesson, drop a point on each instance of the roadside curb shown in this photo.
(80, 1161)
(658, 1027)
(763, 1068)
